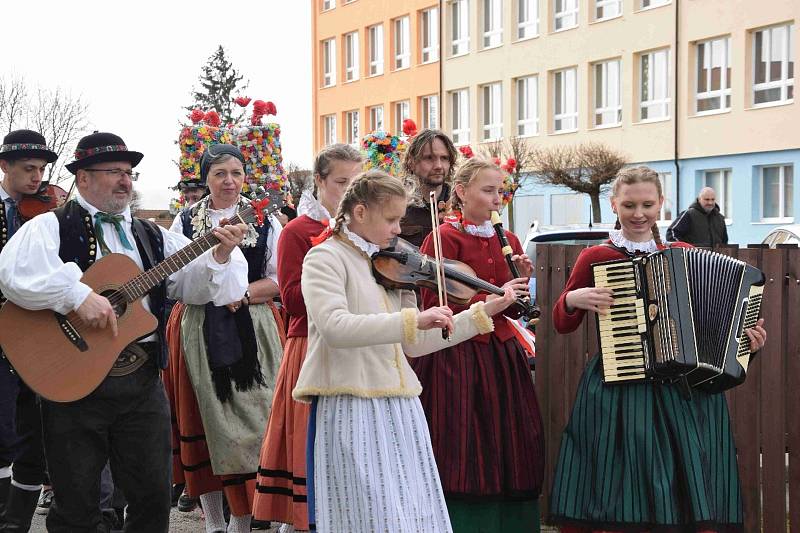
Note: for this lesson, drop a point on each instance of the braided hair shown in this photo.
(640, 174)
(371, 188)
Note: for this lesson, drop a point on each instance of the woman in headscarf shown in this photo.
(223, 360)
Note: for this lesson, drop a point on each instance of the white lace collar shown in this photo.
(361, 243)
(618, 240)
(485, 230)
(312, 208)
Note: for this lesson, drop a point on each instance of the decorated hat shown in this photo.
(24, 144)
(101, 147)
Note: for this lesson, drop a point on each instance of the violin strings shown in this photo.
(436, 249)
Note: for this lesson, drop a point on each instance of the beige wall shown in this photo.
(742, 129)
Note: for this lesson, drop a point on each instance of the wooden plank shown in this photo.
(772, 397)
(544, 331)
(792, 354)
(747, 428)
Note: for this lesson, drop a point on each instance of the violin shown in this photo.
(403, 266)
(47, 198)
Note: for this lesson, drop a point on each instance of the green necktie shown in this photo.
(101, 217)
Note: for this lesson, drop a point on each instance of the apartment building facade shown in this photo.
(701, 91)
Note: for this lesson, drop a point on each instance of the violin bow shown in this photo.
(437, 254)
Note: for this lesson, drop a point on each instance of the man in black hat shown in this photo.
(125, 421)
(24, 157)
(192, 190)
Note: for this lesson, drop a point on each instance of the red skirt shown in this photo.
(281, 494)
(191, 462)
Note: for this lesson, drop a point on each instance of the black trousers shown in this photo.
(20, 428)
(126, 422)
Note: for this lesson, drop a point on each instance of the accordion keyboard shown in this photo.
(622, 328)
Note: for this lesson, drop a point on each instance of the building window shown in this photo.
(429, 20)
(773, 65)
(459, 113)
(459, 19)
(402, 111)
(528, 105)
(352, 136)
(720, 181)
(607, 9)
(667, 190)
(565, 100)
(646, 4)
(376, 118)
(527, 19)
(567, 208)
(492, 23)
(492, 111)
(430, 111)
(351, 56)
(329, 62)
(713, 75)
(402, 53)
(328, 4)
(565, 14)
(376, 50)
(654, 76)
(777, 191)
(607, 94)
(329, 129)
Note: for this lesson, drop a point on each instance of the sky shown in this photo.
(135, 64)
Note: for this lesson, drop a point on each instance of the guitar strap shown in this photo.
(140, 231)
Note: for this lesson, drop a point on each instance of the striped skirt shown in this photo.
(281, 483)
(373, 467)
(642, 457)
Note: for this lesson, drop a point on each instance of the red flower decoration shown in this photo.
(197, 115)
(259, 107)
(242, 101)
(409, 127)
(466, 151)
(496, 161)
(259, 206)
(212, 118)
(256, 119)
(511, 164)
(271, 109)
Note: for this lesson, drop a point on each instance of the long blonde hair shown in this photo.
(465, 174)
(640, 174)
(371, 188)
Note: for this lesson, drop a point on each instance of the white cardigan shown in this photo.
(358, 331)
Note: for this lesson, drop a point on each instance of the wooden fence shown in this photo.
(765, 410)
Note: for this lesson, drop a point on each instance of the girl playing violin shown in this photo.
(370, 465)
(479, 397)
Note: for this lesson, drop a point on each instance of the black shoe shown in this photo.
(177, 490)
(19, 509)
(5, 485)
(186, 504)
(259, 525)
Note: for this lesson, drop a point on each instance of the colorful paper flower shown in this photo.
(271, 109)
(466, 151)
(383, 151)
(409, 127)
(241, 101)
(196, 115)
(259, 107)
(212, 118)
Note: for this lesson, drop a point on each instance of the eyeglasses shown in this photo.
(116, 172)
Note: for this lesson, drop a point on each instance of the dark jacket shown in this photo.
(416, 224)
(699, 228)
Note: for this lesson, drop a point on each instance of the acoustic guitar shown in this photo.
(63, 359)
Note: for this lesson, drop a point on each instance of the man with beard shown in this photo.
(429, 163)
(701, 224)
(125, 421)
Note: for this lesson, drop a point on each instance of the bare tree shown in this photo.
(299, 180)
(587, 168)
(13, 103)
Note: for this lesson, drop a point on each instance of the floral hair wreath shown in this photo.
(510, 184)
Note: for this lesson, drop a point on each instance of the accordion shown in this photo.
(678, 314)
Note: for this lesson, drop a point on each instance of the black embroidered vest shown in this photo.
(79, 245)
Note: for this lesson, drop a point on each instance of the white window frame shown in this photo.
(610, 95)
(527, 19)
(784, 82)
(602, 6)
(664, 103)
(402, 43)
(492, 114)
(705, 50)
(375, 37)
(351, 57)
(430, 111)
(652, 4)
(329, 129)
(329, 62)
(352, 127)
(376, 118)
(667, 212)
(402, 111)
(781, 218)
(429, 35)
(492, 23)
(724, 192)
(327, 5)
(459, 116)
(459, 27)
(527, 103)
(566, 100)
(567, 18)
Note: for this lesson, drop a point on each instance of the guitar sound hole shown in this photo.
(119, 308)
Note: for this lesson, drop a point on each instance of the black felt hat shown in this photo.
(194, 183)
(100, 147)
(24, 144)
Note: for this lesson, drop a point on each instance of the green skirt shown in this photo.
(475, 516)
(641, 455)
